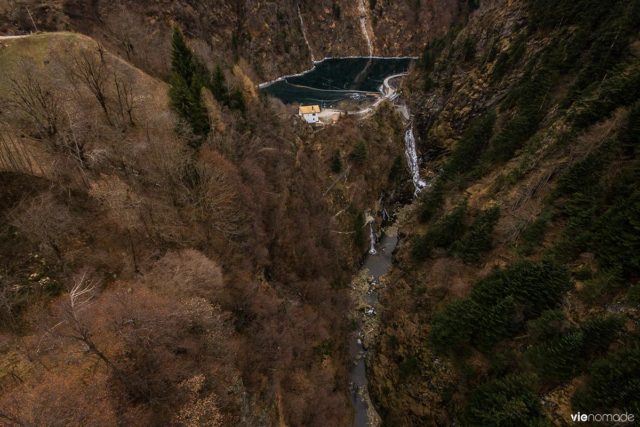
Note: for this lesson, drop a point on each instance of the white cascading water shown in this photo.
(304, 34)
(363, 26)
(372, 240)
(412, 160)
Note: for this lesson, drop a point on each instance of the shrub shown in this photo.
(395, 173)
(359, 153)
(548, 326)
(420, 248)
(613, 385)
(508, 401)
(358, 229)
(336, 162)
(442, 234)
(630, 133)
(558, 359)
(430, 55)
(409, 367)
(430, 201)
(533, 234)
(468, 150)
(479, 238)
(633, 295)
(449, 228)
(621, 89)
(599, 332)
(506, 60)
(499, 305)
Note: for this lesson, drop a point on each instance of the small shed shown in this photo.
(310, 113)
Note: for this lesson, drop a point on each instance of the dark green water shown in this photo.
(336, 79)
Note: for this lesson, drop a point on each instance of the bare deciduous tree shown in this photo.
(39, 103)
(201, 409)
(75, 326)
(45, 221)
(14, 156)
(91, 71)
(218, 197)
(125, 98)
(122, 206)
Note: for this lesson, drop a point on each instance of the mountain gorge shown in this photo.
(265, 38)
(510, 303)
(177, 248)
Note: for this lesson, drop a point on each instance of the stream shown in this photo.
(374, 79)
(367, 285)
(376, 265)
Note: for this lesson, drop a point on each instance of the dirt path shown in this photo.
(15, 37)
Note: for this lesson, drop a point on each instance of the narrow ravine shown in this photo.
(378, 261)
(365, 287)
(370, 280)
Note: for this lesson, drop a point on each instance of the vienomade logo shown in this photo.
(603, 418)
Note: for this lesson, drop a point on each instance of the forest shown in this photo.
(178, 248)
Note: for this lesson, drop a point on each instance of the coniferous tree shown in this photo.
(188, 77)
(336, 162)
(219, 86)
(359, 153)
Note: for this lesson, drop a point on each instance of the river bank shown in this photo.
(365, 290)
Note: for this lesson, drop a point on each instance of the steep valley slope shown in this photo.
(514, 296)
(265, 38)
(151, 274)
(176, 248)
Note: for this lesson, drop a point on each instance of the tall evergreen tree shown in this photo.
(219, 86)
(188, 77)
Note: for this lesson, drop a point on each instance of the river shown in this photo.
(365, 79)
(366, 287)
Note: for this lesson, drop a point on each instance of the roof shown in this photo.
(308, 109)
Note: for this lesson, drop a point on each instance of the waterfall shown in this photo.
(412, 160)
(363, 25)
(365, 31)
(372, 240)
(304, 34)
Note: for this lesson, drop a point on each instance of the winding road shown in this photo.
(387, 92)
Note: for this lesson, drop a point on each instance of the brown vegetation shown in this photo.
(143, 280)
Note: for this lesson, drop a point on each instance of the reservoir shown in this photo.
(334, 80)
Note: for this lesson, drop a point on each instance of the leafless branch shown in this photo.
(39, 103)
(92, 72)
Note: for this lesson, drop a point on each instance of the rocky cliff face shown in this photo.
(518, 112)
